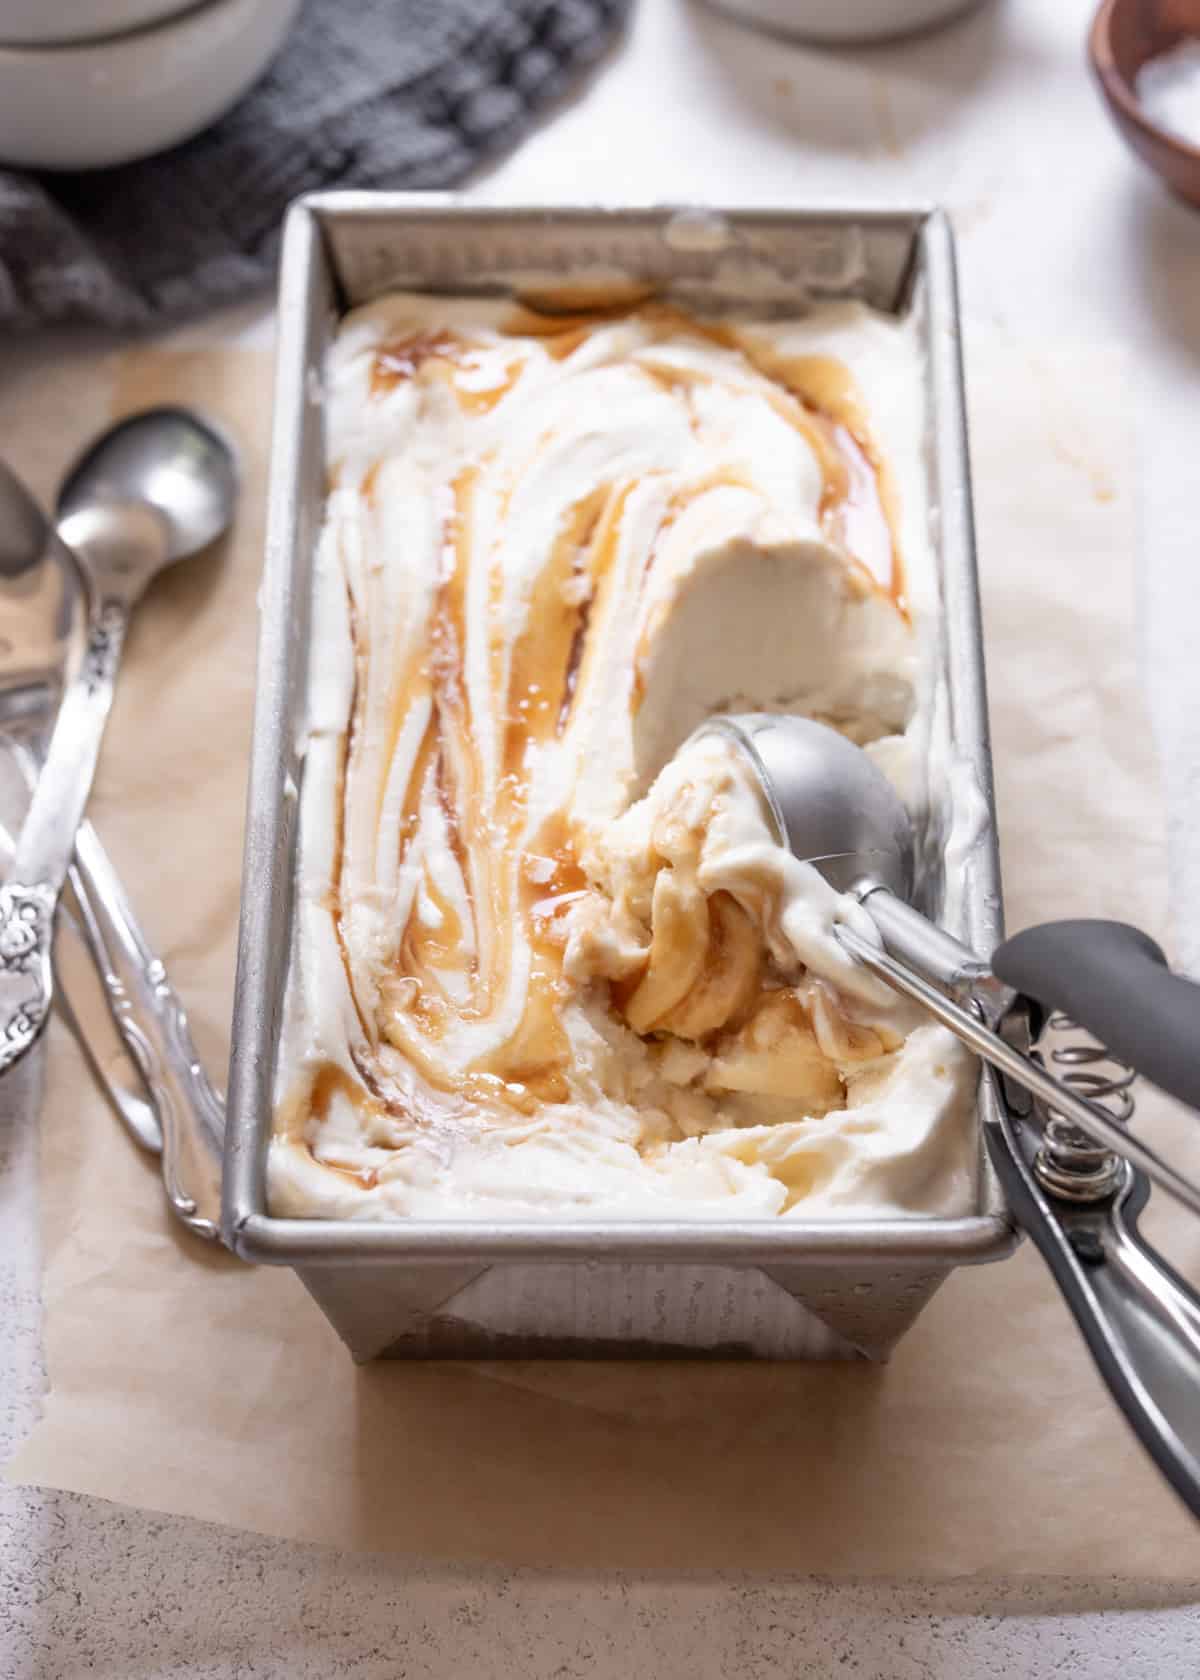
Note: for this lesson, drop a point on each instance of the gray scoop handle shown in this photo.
(1114, 982)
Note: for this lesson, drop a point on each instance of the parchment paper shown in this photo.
(184, 1382)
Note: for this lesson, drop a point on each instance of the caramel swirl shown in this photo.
(498, 936)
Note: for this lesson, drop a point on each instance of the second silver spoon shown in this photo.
(153, 490)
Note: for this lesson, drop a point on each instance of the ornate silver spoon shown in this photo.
(153, 490)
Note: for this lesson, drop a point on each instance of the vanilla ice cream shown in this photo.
(544, 961)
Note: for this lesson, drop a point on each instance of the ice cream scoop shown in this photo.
(835, 809)
(1079, 1204)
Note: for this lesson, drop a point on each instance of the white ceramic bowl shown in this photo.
(40, 22)
(110, 101)
(845, 20)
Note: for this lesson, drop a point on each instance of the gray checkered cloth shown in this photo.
(366, 93)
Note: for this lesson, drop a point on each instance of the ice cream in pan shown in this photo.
(544, 962)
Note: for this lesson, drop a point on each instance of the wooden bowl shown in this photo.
(1125, 34)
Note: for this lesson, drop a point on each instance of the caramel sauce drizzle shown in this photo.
(859, 504)
(508, 881)
(402, 359)
(815, 394)
(341, 806)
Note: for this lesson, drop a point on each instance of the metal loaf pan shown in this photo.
(776, 1289)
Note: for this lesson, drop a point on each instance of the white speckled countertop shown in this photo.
(1060, 234)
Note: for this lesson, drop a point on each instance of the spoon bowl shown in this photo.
(40, 591)
(167, 459)
(24, 528)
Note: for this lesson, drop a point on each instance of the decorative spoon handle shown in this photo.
(80, 959)
(47, 839)
(154, 1024)
(80, 963)
(184, 1121)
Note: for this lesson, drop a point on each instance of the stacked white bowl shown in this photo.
(844, 22)
(85, 84)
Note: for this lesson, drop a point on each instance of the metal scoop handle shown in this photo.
(1088, 1116)
(1139, 1319)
